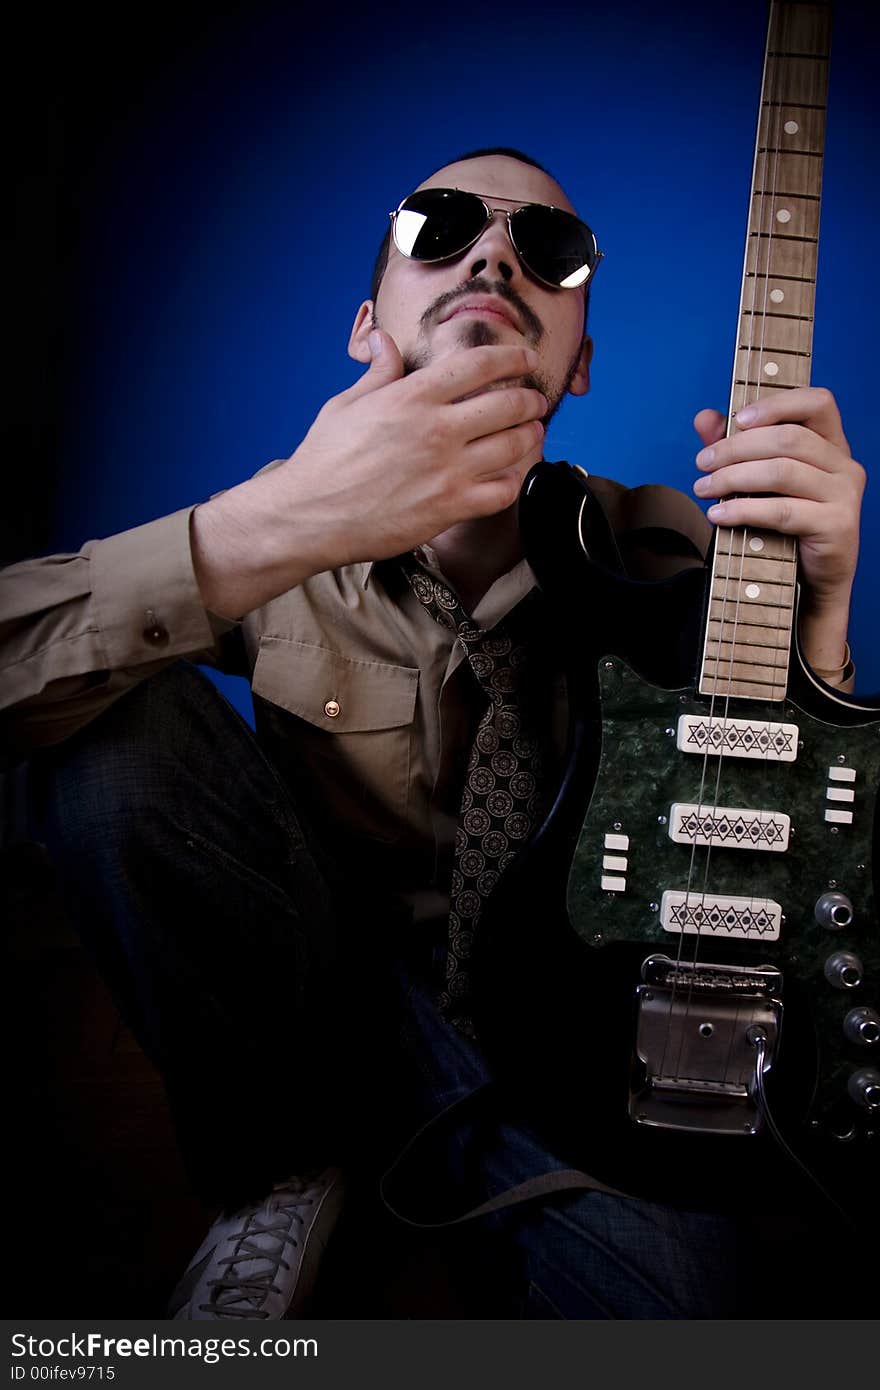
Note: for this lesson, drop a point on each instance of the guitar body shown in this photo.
(638, 1071)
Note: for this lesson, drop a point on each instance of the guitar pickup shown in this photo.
(728, 827)
(738, 738)
(713, 914)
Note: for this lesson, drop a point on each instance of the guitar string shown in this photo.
(787, 544)
(760, 185)
(765, 209)
(711, 723)
(766, 206)
(785, 547)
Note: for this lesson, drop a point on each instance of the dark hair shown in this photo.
(382, 258)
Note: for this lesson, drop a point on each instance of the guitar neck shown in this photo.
(751, 608)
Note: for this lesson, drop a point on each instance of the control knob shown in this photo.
(834, 911)
(844, 970)
(864, 1089)
(862, 1026)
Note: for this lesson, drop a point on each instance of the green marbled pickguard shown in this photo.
(641, 772)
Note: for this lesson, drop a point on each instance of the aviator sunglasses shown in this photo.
(436, 224)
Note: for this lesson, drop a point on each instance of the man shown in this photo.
(262, 908)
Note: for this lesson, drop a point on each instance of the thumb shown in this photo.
(386, 364)
(710, 426)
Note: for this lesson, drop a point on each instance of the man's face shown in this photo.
(485, 295)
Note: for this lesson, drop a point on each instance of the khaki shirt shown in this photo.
(364, 702)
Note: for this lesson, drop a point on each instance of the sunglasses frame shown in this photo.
(491, 212)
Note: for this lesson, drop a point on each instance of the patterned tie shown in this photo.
(501, 800)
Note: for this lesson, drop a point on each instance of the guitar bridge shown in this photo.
(695, 1038)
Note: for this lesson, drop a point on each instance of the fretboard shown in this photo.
(751, 609)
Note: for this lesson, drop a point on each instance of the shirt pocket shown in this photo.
(353, 729)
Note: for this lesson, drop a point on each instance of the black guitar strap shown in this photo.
(540, 1185)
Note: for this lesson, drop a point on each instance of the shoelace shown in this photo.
(252, 1290)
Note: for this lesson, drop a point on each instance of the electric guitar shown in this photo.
(680, 978)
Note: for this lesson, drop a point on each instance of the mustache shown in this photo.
(534, 329)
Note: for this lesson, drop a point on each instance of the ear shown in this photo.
(358, 345)
(580, 382)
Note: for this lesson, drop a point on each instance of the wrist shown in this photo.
(823, 641)
(246, 549)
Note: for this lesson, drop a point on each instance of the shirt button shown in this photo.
(331, 709)
(154, 632)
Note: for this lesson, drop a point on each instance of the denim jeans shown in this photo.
(285, 1040)
(580, 1255)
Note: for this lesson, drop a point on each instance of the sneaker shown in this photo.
(262, 1260)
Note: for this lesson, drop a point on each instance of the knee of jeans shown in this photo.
(117, 777)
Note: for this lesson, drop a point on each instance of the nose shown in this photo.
(493, 255)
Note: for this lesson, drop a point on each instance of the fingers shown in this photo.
(773, 442)
(791, 516)
(470, 369)
(787, 476)
(496, 410)
(813, 406)
(518, 447)
(710, 425)
(386, 365)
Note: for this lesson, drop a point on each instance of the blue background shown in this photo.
(230, 209)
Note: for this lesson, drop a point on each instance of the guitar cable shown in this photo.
(758, 1039)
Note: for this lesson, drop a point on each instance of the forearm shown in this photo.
(823, 638)
(77, 629)
(256, 541)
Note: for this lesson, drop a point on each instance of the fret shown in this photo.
(759, 670)
(752, 567)
(796, 297)
(813, 57)
(804, 279)
(797, 105)
(782, 216)
(759, 614)
(753, 634)
(719, 612)
(738, 651)
(786, 150)
(775, 192)
(745, 660)
(743, 690)
(737, 596)
(774, 235)
(766, 647)
(719, 680)
(797, 132)
(730, 540)
(756, 391)
(758, 366)
(798, 175)
(772, 255)
(773, 314)
(759, 343)
(779, 334)
(745, 551)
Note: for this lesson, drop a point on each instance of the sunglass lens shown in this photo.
(555, 246)
(438, 222)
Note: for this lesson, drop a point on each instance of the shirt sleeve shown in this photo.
(78, 630)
